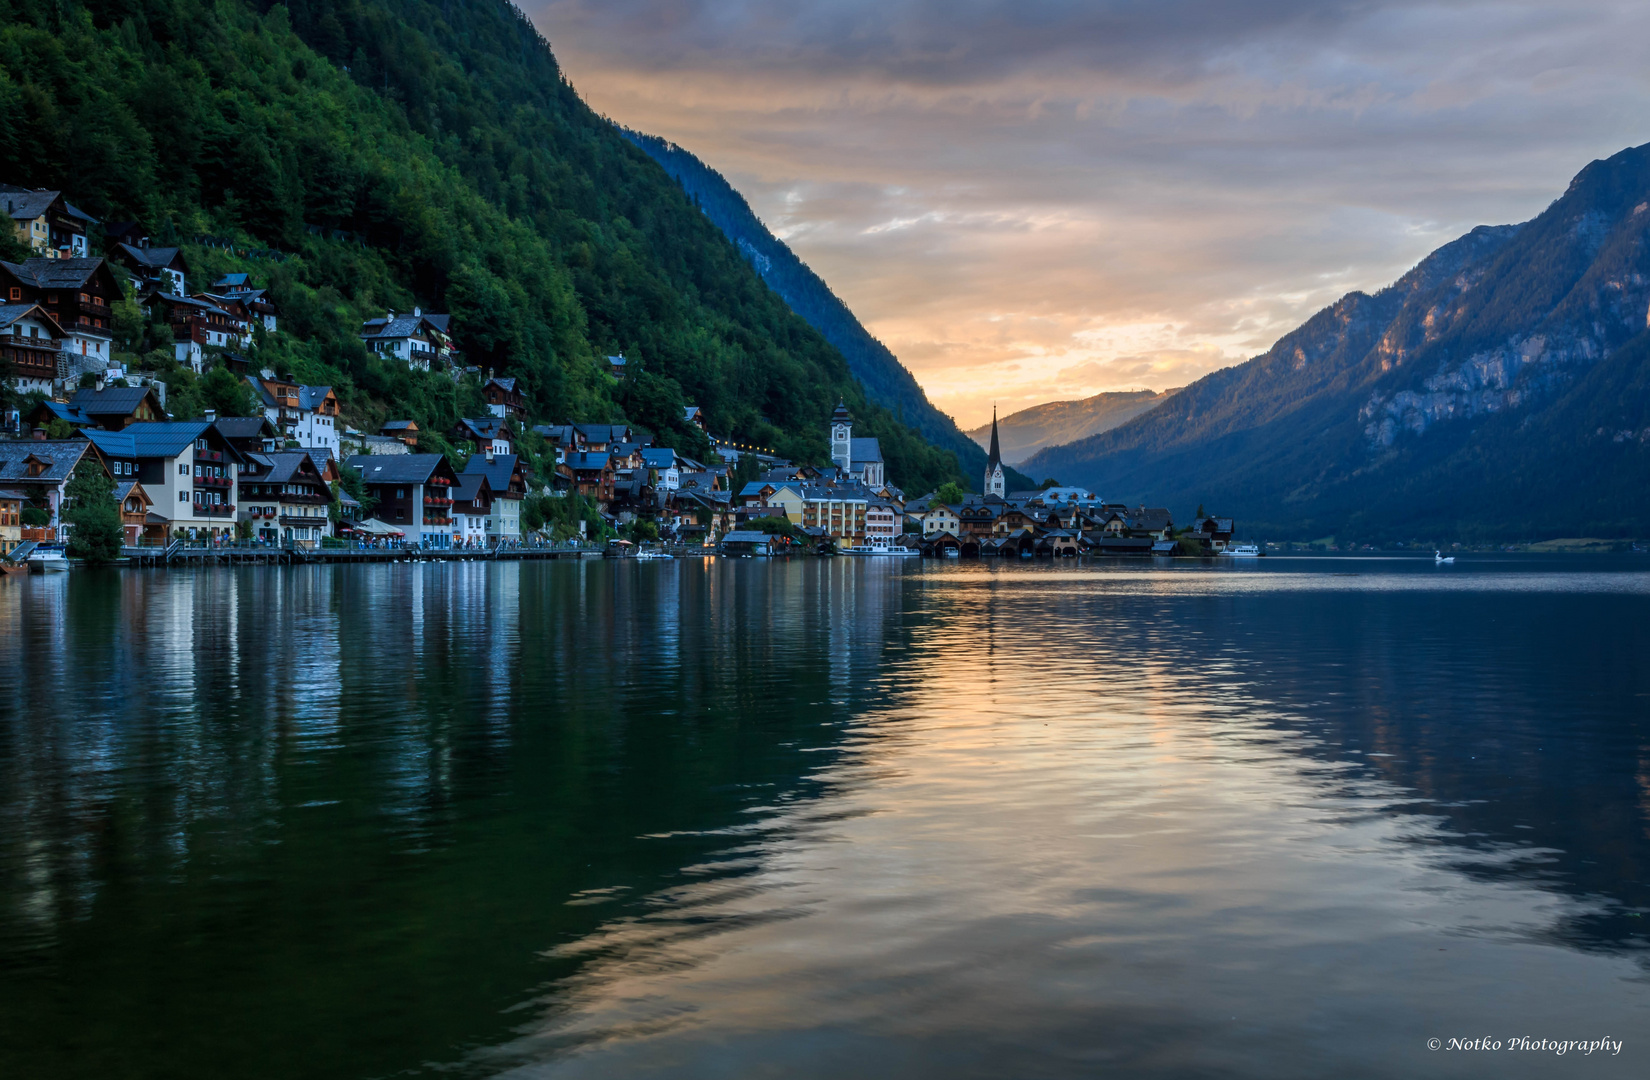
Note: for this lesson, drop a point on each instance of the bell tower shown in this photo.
(996, 481)
(842, 434)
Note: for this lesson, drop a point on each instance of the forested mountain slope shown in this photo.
(413, 152)
(1500, 390)
(885, 379)
(1021, 434)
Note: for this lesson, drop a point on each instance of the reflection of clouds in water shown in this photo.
(1067, 847)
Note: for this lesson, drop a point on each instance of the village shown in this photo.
(296, 481)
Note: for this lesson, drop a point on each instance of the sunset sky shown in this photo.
(1033, 200)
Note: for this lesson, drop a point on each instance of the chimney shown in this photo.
(418, 313)
(211, 416)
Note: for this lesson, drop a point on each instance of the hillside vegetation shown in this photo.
(885, 379)
(1499, 390)
(402, 153)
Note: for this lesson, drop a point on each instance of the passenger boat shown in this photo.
(654, 555)
(1243, 551)
(873, 549)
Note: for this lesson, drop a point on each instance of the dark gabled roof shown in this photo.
(26, 205)
(124, 489)
(397, 425)
(659, 457)
(286, 466)
(231, 281)
(865, 450)
(402, 326)
(588, 461)
(440, 322)
(113, 401)
(10, 313)
(61, 456)
(321, 458)
(154, 439)
(497, 472)
(556, 433)
(56, 273)
(469, 486)
(395, 468)
(245, 427)
(189, 301)
(837, 493)
(154, 258)
(507, 385)
(485, 427)
(310, 398)
(602, 433)
(746, 536)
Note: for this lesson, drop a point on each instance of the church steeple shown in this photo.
(996, 481)
(842, 438)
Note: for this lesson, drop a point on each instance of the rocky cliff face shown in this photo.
(1377, 413)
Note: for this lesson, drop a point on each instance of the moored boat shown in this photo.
(1243, 551)
(873, 549)
(48, 561)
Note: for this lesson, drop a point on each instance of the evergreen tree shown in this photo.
(96, 534)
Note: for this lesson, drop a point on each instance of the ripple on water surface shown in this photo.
(827, 818)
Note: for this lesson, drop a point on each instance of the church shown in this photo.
(996, 480)
(859, 459)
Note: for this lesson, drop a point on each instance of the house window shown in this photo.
(183, 496)
(183, 469)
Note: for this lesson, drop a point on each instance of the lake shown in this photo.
(827, 818)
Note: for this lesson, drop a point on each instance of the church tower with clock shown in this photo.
(842, 438)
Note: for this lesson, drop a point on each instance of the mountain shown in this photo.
(1024, 433)
(362, 155)
(1499, 390)
(885, 379)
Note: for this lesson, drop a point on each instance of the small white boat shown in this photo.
(48, 561)
(952, 553)
(654, 555)
(1440, 559)
(871, 549)
(1243, 551)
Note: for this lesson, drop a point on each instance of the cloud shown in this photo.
(1039, 197)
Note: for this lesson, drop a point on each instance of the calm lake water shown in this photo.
(826, 818)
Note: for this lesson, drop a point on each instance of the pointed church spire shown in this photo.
(996, 482)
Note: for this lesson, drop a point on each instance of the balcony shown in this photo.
(438, 520)
(221, 482)
(208, 455)
(215, 509)
(437, 500)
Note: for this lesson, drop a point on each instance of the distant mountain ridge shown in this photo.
(1055, 423)
(1499, 390)
(884, 378)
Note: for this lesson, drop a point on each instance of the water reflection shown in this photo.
(819, 818)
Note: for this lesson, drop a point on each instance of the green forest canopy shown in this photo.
(402, 153)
